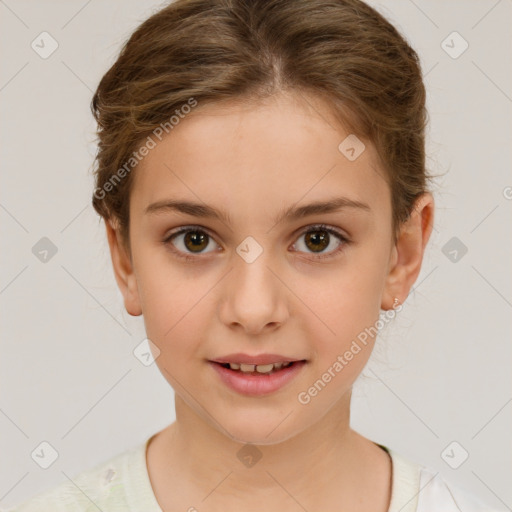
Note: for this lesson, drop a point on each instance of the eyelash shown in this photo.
(197, 229)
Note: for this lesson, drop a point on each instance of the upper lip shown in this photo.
(257, 359)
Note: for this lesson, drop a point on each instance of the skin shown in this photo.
(253, 160)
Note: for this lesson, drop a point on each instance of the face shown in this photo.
(253, 280)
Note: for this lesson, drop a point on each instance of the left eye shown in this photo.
(195, 240)
(317, 238)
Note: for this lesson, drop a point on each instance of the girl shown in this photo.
(261, 174)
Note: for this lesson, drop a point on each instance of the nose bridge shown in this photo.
(252, 262)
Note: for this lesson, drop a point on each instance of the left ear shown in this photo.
(405, 262)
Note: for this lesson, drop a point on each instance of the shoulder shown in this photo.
(418, 488)
(98, 488)
(437, 492)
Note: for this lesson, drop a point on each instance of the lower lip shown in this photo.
(257, 385)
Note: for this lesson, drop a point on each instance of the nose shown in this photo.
(254, 298)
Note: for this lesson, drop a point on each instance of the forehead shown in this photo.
(258, 157)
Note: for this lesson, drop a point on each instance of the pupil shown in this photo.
(321, 240)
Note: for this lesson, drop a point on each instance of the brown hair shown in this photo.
(343, 51)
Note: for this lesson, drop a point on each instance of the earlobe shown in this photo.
(407, 254)
(123, 270)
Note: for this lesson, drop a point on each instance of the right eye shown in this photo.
(187, 241)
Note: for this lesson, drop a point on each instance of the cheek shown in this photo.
(171, 303)
(340, 355)
(351, 297)
(347, 308)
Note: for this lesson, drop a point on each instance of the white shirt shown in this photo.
(122, 484)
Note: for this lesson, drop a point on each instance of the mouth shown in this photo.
(258, 380)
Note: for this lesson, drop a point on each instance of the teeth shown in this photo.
(264, 368)
(260, 368)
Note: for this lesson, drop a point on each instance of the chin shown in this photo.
(258, 432)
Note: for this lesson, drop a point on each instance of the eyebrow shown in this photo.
(290, 214)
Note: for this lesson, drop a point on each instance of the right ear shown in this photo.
(123, 270)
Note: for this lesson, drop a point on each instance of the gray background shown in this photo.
(440, 373)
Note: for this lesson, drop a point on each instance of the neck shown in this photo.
(326, 458)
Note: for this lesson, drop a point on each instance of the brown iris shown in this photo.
(319, 242)
(197, 239)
